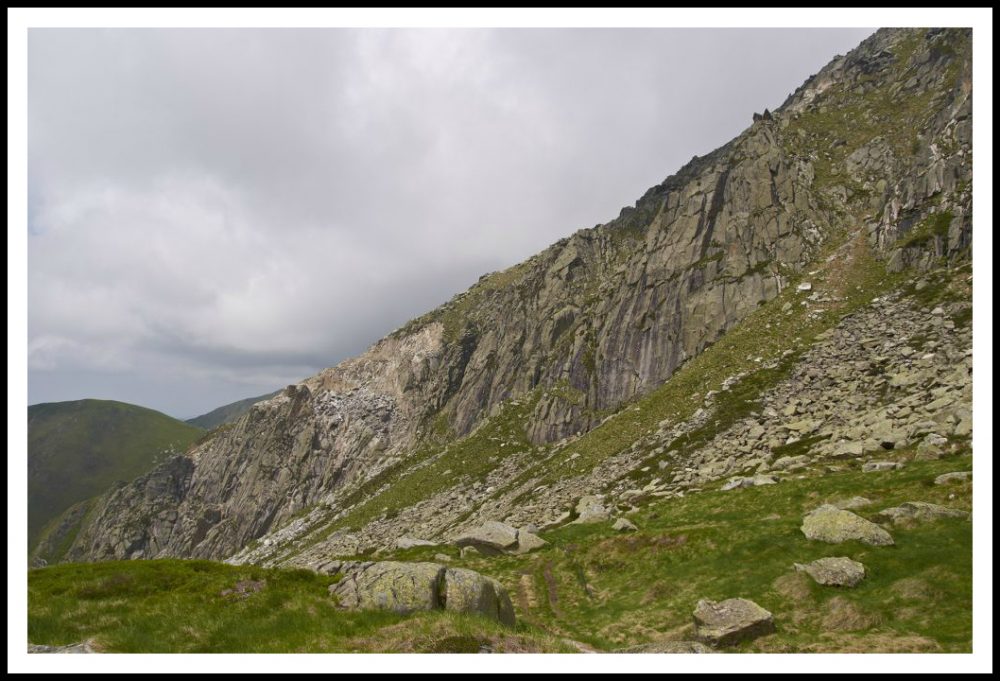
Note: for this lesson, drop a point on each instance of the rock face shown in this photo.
(408, 587)
(601, 318)
(839, 571)
(832, 525)
(728, 622)
(920, 511)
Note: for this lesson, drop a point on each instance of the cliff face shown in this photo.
(879, 141)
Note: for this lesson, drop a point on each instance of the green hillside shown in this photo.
(76, 450)
(228, 412)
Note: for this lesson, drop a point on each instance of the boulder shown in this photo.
(838, 571)
(409, 587)
(491, 538)
(469, 592)
(957, 476)
(410, 542)
(847, 450)
(919, 511)
(389, 585)
(527, 541)
(590, 509)
(73, 648)
(755, 481)
(624, 525)
(790, 463)
(878, 466)
(833, 525)
(853, 502)
(728, 622)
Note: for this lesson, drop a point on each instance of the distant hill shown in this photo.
(227, 413)
(76, 450)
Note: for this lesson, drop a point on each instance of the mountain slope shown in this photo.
(76, 450)
(227, 413)
(545, 381)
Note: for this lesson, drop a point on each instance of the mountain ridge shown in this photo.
(871, 150)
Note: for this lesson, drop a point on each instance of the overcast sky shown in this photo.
(216, 213)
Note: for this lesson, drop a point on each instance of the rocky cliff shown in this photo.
(868, 161)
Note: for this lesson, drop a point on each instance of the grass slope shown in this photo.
(175, 606)
(227, 413)
(614, 590)
(589, 585)
(76, 450)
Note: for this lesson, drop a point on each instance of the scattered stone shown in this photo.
(410, 542)
(469, 552)
(624, 525)
(681, 647)
(853, 502)
(73, 648)
(728, 622)
(590, 509)
(948, 478)
(790, 463)
(833, 525)
(847, 450)
(442, 557)
(878, 466)
(755, 481)
(804, 286)
(839, 571)
(918, 511)
(244, 588)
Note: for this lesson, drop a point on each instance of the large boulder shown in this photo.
(527, 541)
(389, 585)
(920, 511)
(832, 525)
(728, 622)
(470, 592)
(409, 587)
(838, 571)
(410, 542)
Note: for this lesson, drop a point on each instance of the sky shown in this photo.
(216, 213)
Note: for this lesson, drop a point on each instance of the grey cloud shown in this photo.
(217, 212)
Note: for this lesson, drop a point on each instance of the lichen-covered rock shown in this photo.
(957, 476)
(389, 585)
(728, 622)
(590, 509)
(836, 571)
(921, 511)
(469, 592)
(624, 525)
(490, 538)
(409, 587)
(833, 525)
(527, 541)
